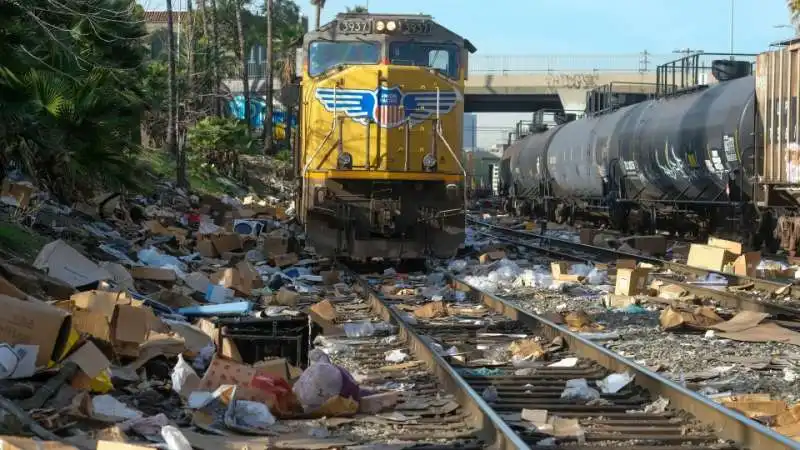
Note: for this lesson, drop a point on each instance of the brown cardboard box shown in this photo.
(20, 191)
(587, 235)
(494, 255)
(631, 281)
(23, 443)
(227, 242)
(275, 243)
(652, 245)
(731, 246)
(206, 248)
(560, 272)
(224, 371)
(709, 257)
(153, 273)
(745, 264)
(114, 317)
(285, 260)
(626, 264)
(330, 277)
(35, 323)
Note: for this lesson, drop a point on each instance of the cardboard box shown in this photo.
(745, 264)
(587, 236)
(652, 245)
(731, 246)
(35, 323)
(560, 272)
(494, 255)
(224, 371)
(227, 242)
(153, 273)
(275, 243)
(631, 281)
(206, 248)
(285, 260)
(63, 262)
(113, 317)
(23, 443)
(20, 191)
(709, 257)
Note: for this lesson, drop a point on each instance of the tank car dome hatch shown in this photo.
(726, 69)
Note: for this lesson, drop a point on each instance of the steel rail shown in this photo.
(494, 431)
(728, 424)
(730, 299)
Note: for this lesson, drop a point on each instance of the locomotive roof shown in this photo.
(438, 31)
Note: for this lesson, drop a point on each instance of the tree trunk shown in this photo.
(217, 80)
(172, 106)
(243, 59)
(189, 104)
(269, 82)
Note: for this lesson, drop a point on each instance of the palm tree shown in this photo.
(243, 59)
(319, 4)
(794, 8)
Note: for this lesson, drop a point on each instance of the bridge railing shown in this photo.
(533, 64)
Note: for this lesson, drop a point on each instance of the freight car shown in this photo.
(692, 153)
(381, 135)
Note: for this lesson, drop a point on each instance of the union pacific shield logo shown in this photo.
(388, 107)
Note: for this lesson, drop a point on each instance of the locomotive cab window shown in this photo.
(440, 57)
(324, 55)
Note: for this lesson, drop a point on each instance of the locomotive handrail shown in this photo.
(322, 144)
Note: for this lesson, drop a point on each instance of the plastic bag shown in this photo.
(184, 378)
(322, 382)
(253, 414)
(175, 439)
(578, 389)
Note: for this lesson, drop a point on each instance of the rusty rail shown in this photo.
(556, 248)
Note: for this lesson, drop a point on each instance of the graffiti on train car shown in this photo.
(257, 111)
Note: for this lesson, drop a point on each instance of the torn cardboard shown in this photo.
(63, 262)
(35, 323)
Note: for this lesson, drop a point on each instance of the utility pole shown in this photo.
(732, 16)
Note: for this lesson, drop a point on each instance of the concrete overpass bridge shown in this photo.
(526, 83)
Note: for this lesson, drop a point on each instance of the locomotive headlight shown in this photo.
(380, 26)
(391, 25)
(345, 161)
(429, 162)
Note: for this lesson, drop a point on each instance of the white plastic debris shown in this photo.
(396, 356)
(614, 382)
(183, 377)
(578, 389)
(457, 265)
(566, 362)
(253, 414)
(175, 439)
(108, 408)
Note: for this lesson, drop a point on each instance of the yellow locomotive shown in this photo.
(380, 156)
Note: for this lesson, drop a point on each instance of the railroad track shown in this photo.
(780, 299)
(500, 399)
(433, 412)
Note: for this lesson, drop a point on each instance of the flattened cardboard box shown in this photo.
(63, 262)
(35, 323)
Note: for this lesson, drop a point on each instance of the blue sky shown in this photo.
(589, 26)
(581, 27)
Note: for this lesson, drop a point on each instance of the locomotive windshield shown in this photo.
(441, 57)
(324, 55)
